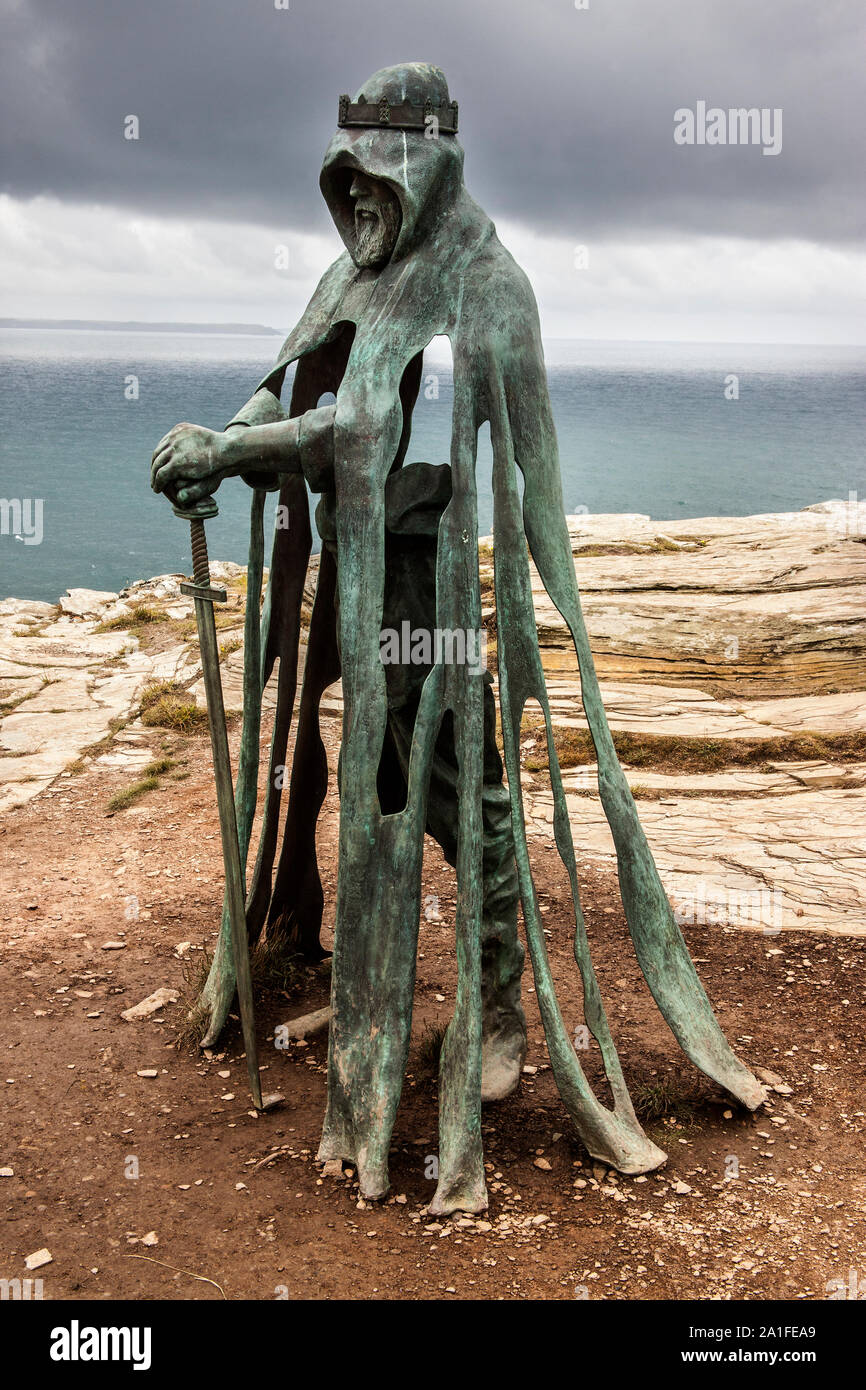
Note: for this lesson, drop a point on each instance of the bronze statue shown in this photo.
(400, 544)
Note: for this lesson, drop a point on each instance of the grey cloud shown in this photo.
(566, 115)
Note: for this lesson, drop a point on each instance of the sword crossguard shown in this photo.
(209, 594)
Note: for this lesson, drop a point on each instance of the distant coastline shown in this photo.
(138, 326)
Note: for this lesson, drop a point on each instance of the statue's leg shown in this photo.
(502, 954)
(503, 1047)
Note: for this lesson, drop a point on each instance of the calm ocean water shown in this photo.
(643, 427)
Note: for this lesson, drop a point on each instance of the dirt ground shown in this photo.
(151, 1187)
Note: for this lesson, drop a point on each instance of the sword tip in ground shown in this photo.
(271, 1101)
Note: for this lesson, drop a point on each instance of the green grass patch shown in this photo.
(7, 706)
(660, 1100)
(147, 782)
(128, 795)
(158, 767)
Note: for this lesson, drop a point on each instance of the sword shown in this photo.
(205, 597)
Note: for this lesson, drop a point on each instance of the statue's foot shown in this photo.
(503, 1053)
(503, 1022)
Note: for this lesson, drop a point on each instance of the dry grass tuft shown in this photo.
(675, 753)
(167, 705)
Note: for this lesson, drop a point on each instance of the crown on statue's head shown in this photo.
(404, 115)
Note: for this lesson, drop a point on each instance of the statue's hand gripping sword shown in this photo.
(205, 597)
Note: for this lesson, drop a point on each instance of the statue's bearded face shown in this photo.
(377, 220)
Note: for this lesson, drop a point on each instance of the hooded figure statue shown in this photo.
(400, 543)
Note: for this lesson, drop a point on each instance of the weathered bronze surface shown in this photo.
(400, 542)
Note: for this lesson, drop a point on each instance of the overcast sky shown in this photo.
(566, 115)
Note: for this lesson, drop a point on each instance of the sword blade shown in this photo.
(229, 834)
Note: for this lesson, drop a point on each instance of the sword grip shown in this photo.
(197, 514)
(200, 562)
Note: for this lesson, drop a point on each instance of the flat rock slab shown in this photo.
(768, 862)
(232, 670)
(64, 684)
(784, 777)
(86, 603)
(750, 602)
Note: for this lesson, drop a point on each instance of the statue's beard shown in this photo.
(377, 226)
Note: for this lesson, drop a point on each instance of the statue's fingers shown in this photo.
(165, 441)
(157, 463)
(167, 472)
(193, 492)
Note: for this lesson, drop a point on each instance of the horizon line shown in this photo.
(228, 328)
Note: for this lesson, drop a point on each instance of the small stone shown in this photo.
(114, 945)
(306, 1026)
(6, 1173)
(38, 1259)
(147, 1071)
(770, 1077)
(150, 1005)
(529, 1070)
(150, 1239)
(541, 1163)
(333, 1168)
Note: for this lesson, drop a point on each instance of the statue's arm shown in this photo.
(191, 461)
(302, 444)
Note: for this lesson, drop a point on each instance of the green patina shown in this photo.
(400, 543)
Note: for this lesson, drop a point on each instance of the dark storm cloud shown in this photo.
(566, 115)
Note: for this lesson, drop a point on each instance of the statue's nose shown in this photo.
(359, 186)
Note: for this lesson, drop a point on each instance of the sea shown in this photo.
(672, 430)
